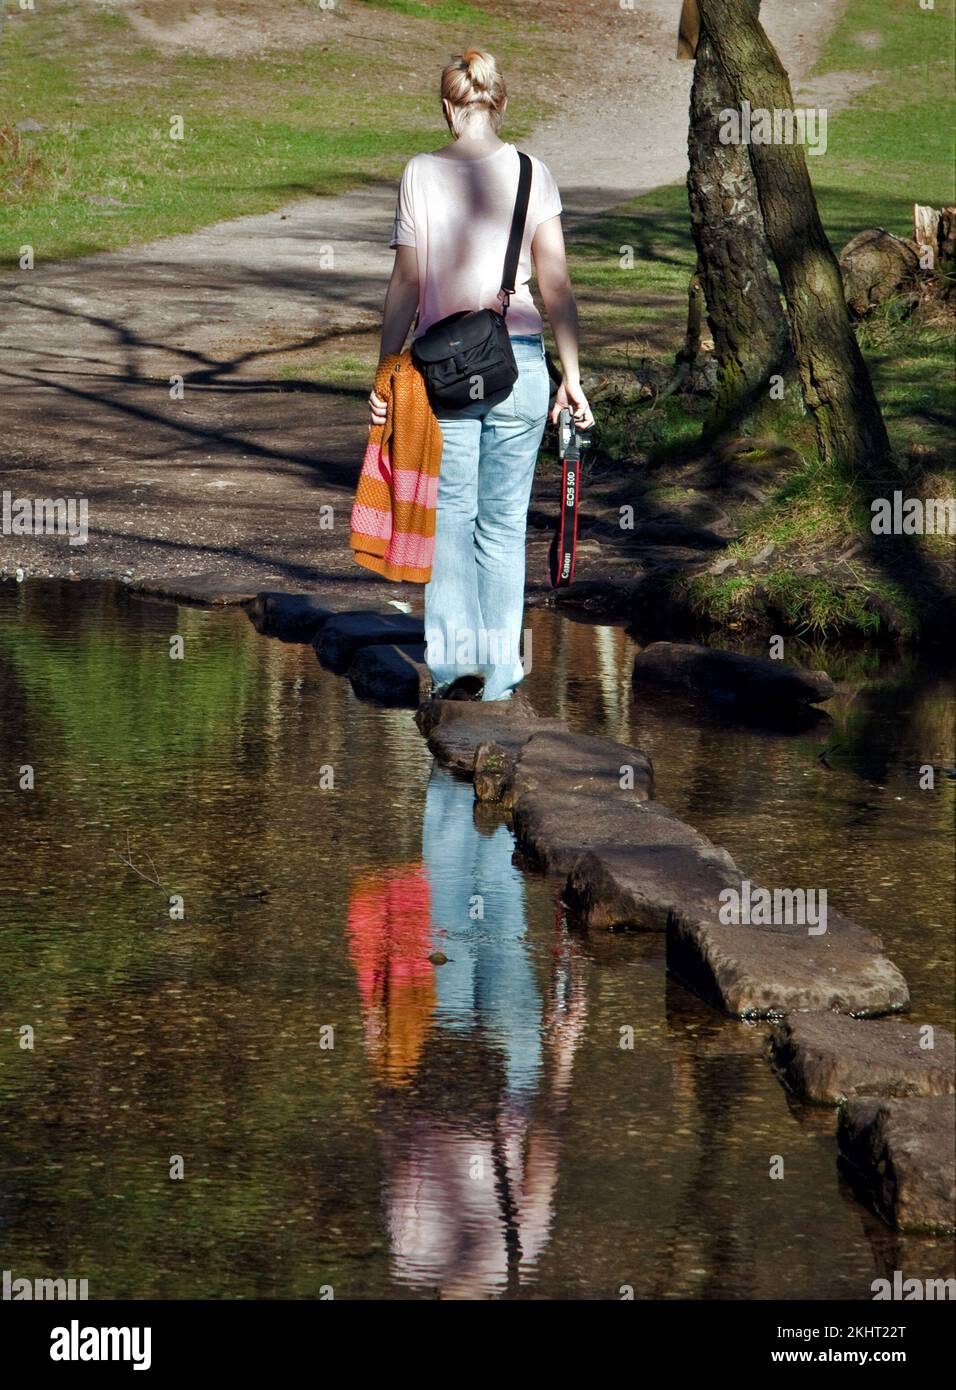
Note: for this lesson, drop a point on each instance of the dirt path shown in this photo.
(229, 478)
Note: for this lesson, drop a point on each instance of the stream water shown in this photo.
(345, 1114)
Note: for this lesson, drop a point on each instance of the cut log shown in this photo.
(877, 266)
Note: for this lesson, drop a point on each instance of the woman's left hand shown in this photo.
(377, 407)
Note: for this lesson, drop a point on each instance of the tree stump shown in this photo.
(934, 231)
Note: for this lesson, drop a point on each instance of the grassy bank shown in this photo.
(887, 150)
(96, 167)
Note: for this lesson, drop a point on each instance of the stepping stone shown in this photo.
(211, 589)
(829, 1058)
(342, 635)
(455, 729)
(289, 617)
(293, 617)
(568, 796)
(752, 971)
(395, 676)
(638, 885)
(727, 677)
(300, 617)
(900, 1155)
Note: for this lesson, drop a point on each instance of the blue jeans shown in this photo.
(474, 603)
(488, 985)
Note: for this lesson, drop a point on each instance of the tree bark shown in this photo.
(744, 310)
(836, 383)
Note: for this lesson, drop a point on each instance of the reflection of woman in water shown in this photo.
(479, 1069)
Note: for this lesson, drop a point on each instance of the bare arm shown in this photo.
(551, 272)
(401, 302)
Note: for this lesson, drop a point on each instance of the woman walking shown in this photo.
(452, 224)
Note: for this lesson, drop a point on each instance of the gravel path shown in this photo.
(229, 477)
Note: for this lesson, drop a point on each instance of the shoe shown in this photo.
(464, 688)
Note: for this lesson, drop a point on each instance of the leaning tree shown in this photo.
(756, 367)
(742, 65)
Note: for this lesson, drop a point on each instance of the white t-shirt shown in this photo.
(457, 215)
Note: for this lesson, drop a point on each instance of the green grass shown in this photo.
(889, 149)
(348, 368)
(810, 606)
(259, 130)
(449, 10)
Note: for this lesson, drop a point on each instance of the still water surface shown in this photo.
(476, 1128)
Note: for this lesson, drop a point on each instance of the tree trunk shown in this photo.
(835, 381)
(746, 317)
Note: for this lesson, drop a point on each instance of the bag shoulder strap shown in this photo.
(516, 235)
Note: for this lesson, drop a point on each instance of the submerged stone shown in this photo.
(729, 677)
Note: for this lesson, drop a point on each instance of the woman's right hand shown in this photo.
(570, 397)
(378, 409)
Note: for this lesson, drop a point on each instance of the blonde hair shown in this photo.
(472, 81)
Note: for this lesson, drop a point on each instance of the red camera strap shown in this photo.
(565, 539)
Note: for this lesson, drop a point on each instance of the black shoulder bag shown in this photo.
(473, 348)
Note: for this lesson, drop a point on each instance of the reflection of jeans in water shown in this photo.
(474, 601)
(488, 982)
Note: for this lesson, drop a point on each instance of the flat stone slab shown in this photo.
(728, 677)
(901, 1156)
(829, 1058)
(299, 617)
(342, 635)
(395, 676)
(755, 971)
(455, 729)
(209, 589)
(638, 885)
(568, 796)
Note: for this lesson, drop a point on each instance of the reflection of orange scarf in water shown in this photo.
(390, 941)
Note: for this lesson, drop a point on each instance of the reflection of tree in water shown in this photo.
(714, 1095)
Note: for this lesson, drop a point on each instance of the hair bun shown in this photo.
(481, 67)
(472, 80)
